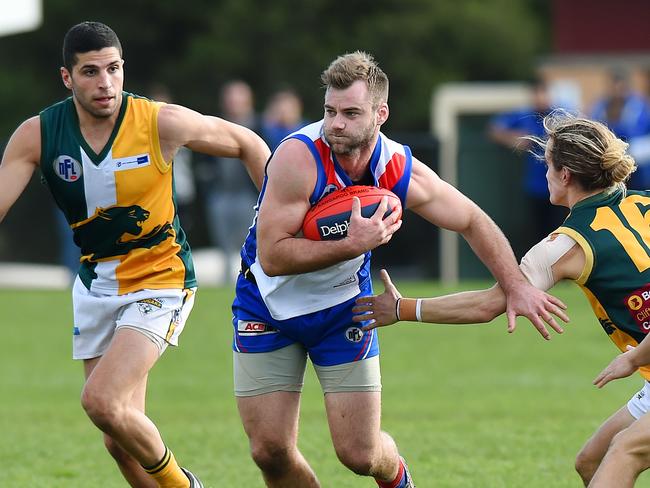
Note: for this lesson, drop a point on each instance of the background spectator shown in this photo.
(283, 115)
(507, 129)
(228, 193)
(69, 252)
(627, 114)
(183, 171)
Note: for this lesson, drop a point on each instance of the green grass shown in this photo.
(468, 406)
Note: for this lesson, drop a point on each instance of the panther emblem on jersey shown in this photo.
(103, 236)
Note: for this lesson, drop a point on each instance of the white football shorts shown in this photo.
(639, 404)
(158, 314)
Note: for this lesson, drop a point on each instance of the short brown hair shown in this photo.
(359, 65)
(87, 36)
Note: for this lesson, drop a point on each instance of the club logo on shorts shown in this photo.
(354, 334)
(67, 168)
(148, 305)
(252, 328)
(640, 395)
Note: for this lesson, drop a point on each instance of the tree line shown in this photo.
(194, 46)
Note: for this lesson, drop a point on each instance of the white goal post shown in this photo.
(20, 16)
(449, 102)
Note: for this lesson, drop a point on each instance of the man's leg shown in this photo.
(132, 471)
(110, 398)
(594, 450)
(360, 444)
(271, 423)
(268, 386)
(627, 457)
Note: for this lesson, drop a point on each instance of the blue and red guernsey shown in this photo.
(291, 296)
(390, 164)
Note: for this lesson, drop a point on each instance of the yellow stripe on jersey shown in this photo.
(163, 166)
(589, 253)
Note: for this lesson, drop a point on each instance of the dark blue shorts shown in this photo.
(330, 336)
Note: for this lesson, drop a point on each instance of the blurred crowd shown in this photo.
(622, 107)
(217, 193)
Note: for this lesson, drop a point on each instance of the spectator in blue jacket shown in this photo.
(627, 114)
(508, 129)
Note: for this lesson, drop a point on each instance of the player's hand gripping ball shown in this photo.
(328, 220)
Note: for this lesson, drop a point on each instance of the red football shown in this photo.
(328, 220)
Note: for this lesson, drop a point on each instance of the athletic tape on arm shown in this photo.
(537, 264)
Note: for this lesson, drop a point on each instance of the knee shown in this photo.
(586, 464)
(100, 407)
(630, 447)
(271, 457)
(359, 461)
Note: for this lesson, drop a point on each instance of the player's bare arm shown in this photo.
(291, 179)
(544, 265)
(20, 159)
(445, 206)
(179, 126)
(469, 307)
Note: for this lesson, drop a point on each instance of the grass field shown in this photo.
(469, 406)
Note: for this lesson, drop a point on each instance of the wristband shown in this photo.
(397, 309)
(407, 309)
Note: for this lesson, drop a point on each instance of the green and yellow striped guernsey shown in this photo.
(120, 203)
(613, 230)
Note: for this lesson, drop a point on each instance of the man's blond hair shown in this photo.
(359, 65)
(588, 149)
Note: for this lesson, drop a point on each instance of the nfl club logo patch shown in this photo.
(354, 334)
(67, 168)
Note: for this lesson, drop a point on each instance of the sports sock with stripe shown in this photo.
(398, 481)
(168, 473)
